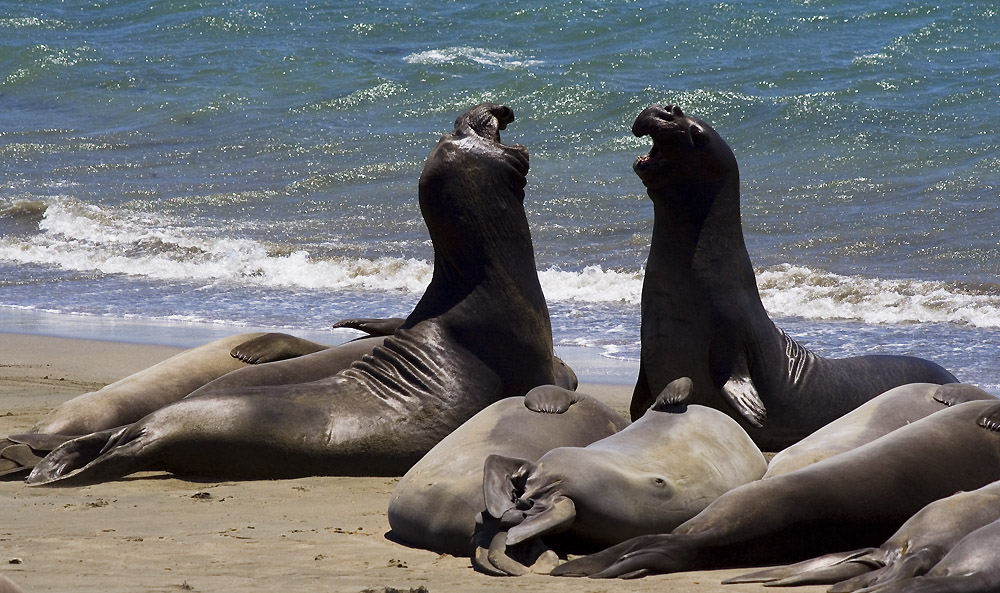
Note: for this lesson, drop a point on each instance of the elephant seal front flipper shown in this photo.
(272, 347)
(741, 394)
(371, 325)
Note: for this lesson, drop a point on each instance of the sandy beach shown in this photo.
(154, 532)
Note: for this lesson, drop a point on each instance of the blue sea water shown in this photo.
(201, 167)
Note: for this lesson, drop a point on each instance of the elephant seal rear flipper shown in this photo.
(272, 347)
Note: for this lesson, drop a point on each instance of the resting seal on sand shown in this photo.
(875, 418)
(971, 566)
(652, 476)
(912, 551)
(436, 503)
(241, 360)
(855, 499)
(701, 313)
(478, 334)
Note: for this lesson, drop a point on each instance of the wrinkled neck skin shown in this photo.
(484, 291)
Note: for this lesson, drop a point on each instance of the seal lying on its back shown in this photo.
(478, 334)
(854, 499)
(875, 418)
(701, 313)
(649, 478)
(436, 503)
(912, 551)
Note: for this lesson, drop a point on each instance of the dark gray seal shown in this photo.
(435, 505)
(701, 312)
(565, 376)
(852, 500)
(479, 333)
(875, 418)
(652, 476)
(916, 548)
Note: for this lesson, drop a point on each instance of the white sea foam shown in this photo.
(485, 57)
(82, 237)
(798, 291)
(593, 284)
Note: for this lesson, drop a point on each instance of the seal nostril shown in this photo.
(523, 504)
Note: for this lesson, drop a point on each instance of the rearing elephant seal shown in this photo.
(478, 334)
(701, 313)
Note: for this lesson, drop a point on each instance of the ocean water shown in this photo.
(181, 169)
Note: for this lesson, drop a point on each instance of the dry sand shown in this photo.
(154, 532)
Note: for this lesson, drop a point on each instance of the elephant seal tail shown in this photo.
(92, 458)
(20, 453)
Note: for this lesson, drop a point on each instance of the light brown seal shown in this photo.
(875, 418)
(855, 499)
(436, 504)
(657, 473)
(920, 544)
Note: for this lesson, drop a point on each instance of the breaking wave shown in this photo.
(75, 236)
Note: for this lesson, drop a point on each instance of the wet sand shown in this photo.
(154, 532)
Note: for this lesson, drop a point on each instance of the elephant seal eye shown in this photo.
(698, 136)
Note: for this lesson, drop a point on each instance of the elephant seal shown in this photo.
(912, 551)
(855, 499)
(875, 418)
(240, 360)
(479, 333)
(701, 312)
(436, 503)
(970, 567)
(659, 472)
